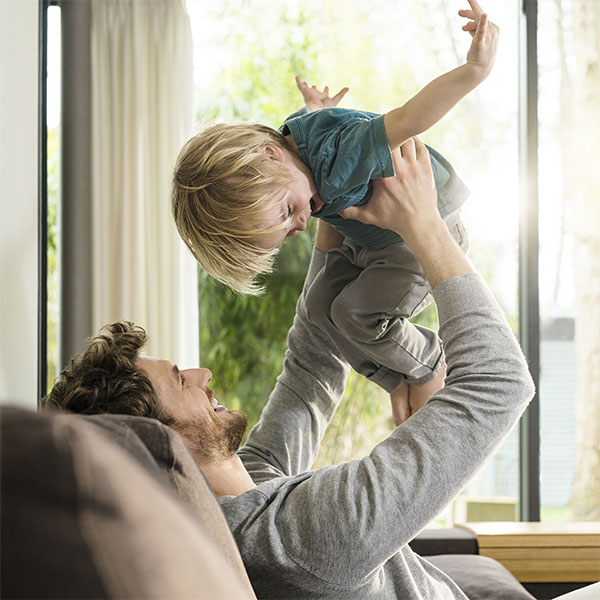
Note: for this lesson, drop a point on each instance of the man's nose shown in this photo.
(199, 377)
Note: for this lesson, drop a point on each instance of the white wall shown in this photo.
(18, 200)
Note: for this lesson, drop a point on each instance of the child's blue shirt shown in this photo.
(345, 149)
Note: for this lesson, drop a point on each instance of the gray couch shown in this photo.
(112, 506)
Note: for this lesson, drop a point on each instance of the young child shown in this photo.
(239, 190)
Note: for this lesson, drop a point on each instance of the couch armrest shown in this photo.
(451, 540)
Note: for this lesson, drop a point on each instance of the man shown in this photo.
(339, 532)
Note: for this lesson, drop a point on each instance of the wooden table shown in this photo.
(542, 552)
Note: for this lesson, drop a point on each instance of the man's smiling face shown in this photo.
(214, 432)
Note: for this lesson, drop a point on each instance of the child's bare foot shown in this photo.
(400, 404)
(420, 394)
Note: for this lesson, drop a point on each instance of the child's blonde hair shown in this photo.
(224, 188)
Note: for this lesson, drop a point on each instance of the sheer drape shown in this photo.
(142, 113)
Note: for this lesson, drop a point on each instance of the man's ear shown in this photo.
(273, 152)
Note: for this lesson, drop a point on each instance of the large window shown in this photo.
(246, 56)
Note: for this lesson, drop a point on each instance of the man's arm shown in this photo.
(286, 439)
(437, 98)
(366, 510)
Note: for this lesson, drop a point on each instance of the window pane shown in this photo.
(246, 56)
(569, 54)
(53, 123)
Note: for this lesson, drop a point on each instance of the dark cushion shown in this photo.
(481, 577)
(80, 518)
(161, 452)
(450, 540)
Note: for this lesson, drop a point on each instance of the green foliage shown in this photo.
(242, 338)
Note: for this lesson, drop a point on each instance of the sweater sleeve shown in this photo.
(344, 522)
(286, 439)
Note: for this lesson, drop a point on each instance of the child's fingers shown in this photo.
(340, 94)
(301, 84)
(476, 8)
(481, 27)
(469, 14)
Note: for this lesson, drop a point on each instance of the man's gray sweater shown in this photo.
(342, 531)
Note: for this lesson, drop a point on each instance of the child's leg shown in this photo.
(363, 299)
(363, 348)
(339, 270)
(372, 311)
(372, 314)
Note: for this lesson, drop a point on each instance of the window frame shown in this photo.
(528, 302)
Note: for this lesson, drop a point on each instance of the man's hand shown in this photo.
(314, 99)
(485, 35)
(407, 204)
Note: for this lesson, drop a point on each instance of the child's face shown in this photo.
(298, 201)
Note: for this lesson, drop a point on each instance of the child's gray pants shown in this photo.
(363, 299)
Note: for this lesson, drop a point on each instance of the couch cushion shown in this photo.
(81, 519)
(481, 577)
(161, 451)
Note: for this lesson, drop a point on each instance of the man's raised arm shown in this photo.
(384, 499)
(286, 439)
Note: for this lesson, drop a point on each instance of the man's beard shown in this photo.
(213, 440)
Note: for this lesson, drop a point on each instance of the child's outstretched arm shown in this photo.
(442, 94)
(315, 99)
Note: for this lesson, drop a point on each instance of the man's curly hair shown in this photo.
(105, 379)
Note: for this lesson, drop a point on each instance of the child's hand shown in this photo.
(485, 38)
(314, 99)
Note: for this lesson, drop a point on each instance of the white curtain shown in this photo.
(142, 113)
